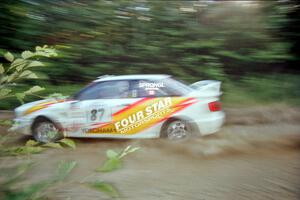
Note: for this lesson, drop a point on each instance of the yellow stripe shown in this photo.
(41, 106)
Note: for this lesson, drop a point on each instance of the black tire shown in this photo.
(182, 131)
(46, 131)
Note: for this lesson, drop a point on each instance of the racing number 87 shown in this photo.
(97, 113)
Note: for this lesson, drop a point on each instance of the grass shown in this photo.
(264, 90)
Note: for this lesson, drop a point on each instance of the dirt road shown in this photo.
(255, 156)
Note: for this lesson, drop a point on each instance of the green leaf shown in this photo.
(15, 151)
(28, 74)
(1, 69)
(34, 89)
(35, 64)
(27, 54)
(20, 97)
(38, 48)
(10, 188)
(8, 56)
(25, 73)
(12, 76)
(64, 169)
(34, 191)
(30, 150)
(56, 96)
(111, 154)
(31, 143)
(110, 165)
(20, 67)
(17, 62)
(3, 79)
(5, 122)
(106, 188)
(4, 92)
(115, 159)
(18, 172)
(53, 145)
(68, 142)
(32, 76)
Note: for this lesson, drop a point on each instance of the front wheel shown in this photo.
(45, 131)
(177, 130)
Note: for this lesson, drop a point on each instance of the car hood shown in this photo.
(35, 106)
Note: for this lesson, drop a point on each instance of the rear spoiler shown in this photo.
(207, 88)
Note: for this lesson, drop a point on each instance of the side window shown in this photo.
(105, 90)
(149, 88)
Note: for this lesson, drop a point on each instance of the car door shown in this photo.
(144, 105)
(156, 102)
(94, 106)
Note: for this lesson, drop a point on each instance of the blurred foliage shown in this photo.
(10, 178)
(18, 69)
(192, 40)
(262, 89)
(10, 188)
(67, 90)
(114, 159)
(106, 188)
(31, 146)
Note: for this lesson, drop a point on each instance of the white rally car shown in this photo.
(128, 106)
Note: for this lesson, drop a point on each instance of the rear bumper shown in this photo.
(212, 124)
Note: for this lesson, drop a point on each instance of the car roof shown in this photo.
(132, 77)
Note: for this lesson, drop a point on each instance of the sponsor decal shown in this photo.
(151, 85)
(142, 114)
(151, 92)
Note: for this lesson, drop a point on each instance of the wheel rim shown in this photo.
(46, 131)
(177, 130)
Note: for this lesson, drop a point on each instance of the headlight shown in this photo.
(18, 113)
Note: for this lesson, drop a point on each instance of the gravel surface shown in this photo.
(255, 156)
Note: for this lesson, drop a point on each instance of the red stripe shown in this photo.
(168, 116)
(100, 123)
(183, 102)
(51, 103)
(131, 106)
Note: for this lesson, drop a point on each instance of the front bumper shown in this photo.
(21, 126)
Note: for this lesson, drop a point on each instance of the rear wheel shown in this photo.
(177, 129)
(45, 131)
